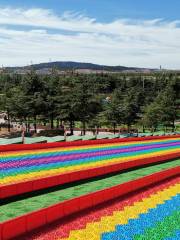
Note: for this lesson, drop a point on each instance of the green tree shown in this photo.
(33, 87)
(164, 110)
(85, 104)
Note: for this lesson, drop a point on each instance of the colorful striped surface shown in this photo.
(153, 214)
(23, 206)
(19, 166)
(154, 217)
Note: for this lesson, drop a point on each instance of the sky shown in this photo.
(136, 33)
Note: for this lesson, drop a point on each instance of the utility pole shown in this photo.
(143, 82)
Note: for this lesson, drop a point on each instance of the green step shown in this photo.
(102, 136)
(113, 136)
(73, 138)
(89, 137)
(6, 141)
(31, 140)
(55, 139)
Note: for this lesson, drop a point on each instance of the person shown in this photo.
(23, 134)
(65, 133)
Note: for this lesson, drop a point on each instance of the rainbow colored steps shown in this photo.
(34, 203)
(150, 214)
(137, 220)
(156, 160)
(16, 167)
(22, 170)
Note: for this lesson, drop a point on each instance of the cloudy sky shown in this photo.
(113, 32)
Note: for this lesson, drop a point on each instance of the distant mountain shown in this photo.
(79, 65)
(62, 66)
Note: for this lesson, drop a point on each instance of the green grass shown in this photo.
(20, 207)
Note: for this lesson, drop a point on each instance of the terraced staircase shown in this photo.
(103, 189)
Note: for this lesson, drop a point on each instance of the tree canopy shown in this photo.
(94, 99)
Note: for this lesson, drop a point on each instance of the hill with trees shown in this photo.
(60, 65)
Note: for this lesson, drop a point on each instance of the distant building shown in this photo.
(1, 70)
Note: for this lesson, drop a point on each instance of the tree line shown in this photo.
(95, 100)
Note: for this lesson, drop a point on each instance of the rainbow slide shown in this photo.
(99, 190)
(150, 214)
(28, 170)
